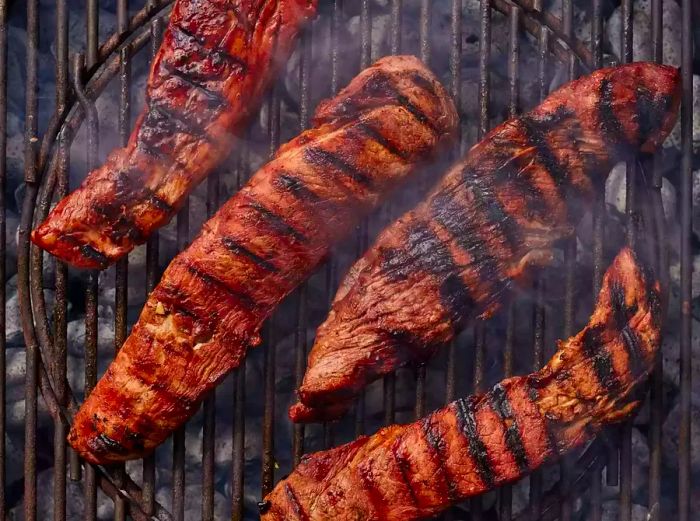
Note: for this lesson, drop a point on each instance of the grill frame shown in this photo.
(46, 167)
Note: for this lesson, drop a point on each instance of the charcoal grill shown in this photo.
(532, 30)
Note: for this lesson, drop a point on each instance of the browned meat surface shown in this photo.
(207, 310)
(211, 71)
(495, 214)
(414, 471)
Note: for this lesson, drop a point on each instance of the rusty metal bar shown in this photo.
(268, 434)
(656, 385)
(599, 211)
(302, 304)
(476, 505)
(686, 204)
(60, 306)
(92, 30)
(209, 427)
(152, 254)
(92, 121)
(32, 353)
(3, 244)
(121, 276)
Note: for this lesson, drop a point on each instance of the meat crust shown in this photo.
(496, 214)
(215, 63)
(207, 310)
(474, 444)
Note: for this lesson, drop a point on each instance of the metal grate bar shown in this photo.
(3, 244)
(93, 33)
(686, 204)
(121, 275)
(268, 434)
(152, 254)
(32, 353)
(300, 339)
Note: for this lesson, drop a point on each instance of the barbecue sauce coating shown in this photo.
(415, 471)
(495, 215)
(211, 71)
(208, 308)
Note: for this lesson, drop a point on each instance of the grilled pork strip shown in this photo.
(207, 310)
(495, 214)
(475, 444)
(214, 65)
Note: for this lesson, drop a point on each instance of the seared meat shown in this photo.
(495, 214)
(208, 308)
(475, 444)
(214, 65)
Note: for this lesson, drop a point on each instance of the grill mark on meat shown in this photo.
(536, 132)
(122, 225)
(217, 53)
(533, 396)
(501, 405)
(633, 348)
(613, 131)
(182, 121)
(602, 362)
(215, 99)
(404, 469)
(487, 201)
(158, 202)
(375, 135)
(381, 85)
(129, 189)
(238, 249)
(110, 444)
(88, 251)
(321, 158)
(416, 112)
(276, 222)
(464, 411)
(210, 280)
(454, 218)
(375, 497)
(437, 448)
(508, 175)
(650, 110)
(425, 250)
(296, 187)
(296, 504)
(423, 83)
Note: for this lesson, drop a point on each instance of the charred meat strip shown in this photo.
(208, 308)
(495, 215)
(474, 444)
(211, 71)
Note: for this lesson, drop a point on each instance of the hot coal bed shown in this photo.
(73, 81)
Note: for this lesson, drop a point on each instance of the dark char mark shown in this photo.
(238, 249)
(459, 223)
(380, 85)
(602, 363)
(294, 501)
(276, 222)
(486, 201)
(181, 121)
(213, 281)
(501, 404)
(215, 100)
(650, 112)
(634, 349)
(404, 470)
(130, 189)
(296, 187)
(438, 448)
(425, 252)
(217, 54)
(536, 133)
(111, 445)
(89, 252)
(613, 130)
(464, 410)
(321, 158)
(533, 396)
(375, 135)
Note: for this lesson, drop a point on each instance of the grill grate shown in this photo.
(46, 173)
